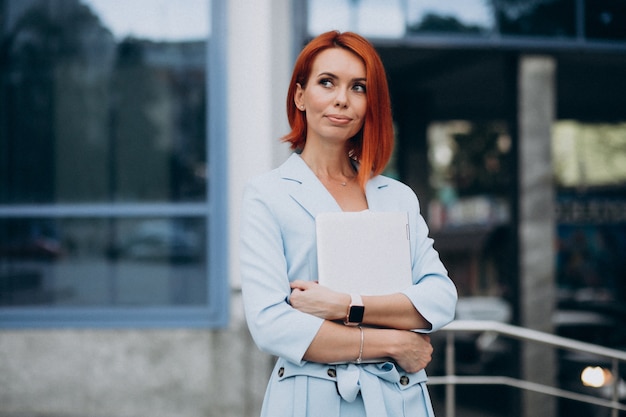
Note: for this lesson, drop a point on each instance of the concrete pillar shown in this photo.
(536, 92)
(260, 61)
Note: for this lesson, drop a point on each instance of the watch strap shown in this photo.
(354, 315)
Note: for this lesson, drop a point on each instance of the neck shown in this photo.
(339, 166)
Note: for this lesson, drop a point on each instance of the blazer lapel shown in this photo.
(305, 188)
(377, 193)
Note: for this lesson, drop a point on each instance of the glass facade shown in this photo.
(572, 20)
(470, 214)
(104, 155)
(367, 17)
(589, 154)
(103, 261)
(454, 68)
(459, 71)
(554, 18)
(590, 172)
(89, 117)
(457, 16)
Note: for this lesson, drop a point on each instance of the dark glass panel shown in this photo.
(591, 242)
(552, 18)
(605, 19)
(471, 158)
(88, 117)
(471, 174)
(103, 262)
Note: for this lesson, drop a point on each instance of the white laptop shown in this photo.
(364, 252)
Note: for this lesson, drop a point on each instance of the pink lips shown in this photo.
(338, 119)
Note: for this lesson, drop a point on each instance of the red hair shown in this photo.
(373, 145)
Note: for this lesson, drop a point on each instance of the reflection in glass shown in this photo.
(103, 101)
(470, 173)
(561, 19)
(371, 18)
(88, 117)
(605, 19)
(553, 18)
(456, 16)
(589, 154)
(103, 262)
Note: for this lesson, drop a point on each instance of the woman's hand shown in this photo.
(413, 351)
(312, 298)
(410, 350)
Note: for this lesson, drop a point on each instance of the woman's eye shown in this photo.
(360, 88)
(326, 82)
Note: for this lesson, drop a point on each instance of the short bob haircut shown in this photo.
(373, 145)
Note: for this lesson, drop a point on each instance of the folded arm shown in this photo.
(391, 311)
(338, 343)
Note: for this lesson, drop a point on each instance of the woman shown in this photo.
(338, 107)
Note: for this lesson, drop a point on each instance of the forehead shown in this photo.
(340, 62)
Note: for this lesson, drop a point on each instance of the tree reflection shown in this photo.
(85, 118)
(432, 22)
(53, 81)
(555, 18)
(481, 164)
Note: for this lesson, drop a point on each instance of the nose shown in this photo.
(341, 99)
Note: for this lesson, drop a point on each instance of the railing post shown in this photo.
(450, 379)
(615, 393)
(450, 372)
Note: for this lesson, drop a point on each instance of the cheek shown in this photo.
(362, 109)
(318, 101)
(359, 103)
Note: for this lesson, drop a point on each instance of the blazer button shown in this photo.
(332, 373)
(404, 380)
(281, 372)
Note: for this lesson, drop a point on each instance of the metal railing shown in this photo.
(451, 380)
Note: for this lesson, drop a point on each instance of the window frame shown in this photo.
(214, 314)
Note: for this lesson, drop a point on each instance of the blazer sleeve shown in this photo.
(276, 327)
(433, 294)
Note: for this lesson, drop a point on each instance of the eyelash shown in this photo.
(361, 87)
(326, 82)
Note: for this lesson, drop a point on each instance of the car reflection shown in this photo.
(40, 248)
(160, 240)
(32, 240)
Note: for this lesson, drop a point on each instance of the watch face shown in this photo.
(356, 314)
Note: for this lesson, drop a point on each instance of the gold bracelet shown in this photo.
(360, 358)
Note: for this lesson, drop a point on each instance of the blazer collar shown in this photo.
(305, 188)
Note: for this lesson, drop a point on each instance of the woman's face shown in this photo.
(334, 98)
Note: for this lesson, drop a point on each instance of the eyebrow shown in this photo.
(330, 74)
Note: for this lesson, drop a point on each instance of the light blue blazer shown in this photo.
(278, 246)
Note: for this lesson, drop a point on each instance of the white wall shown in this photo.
(259, 69)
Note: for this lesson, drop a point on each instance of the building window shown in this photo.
(370, 18)
(470, 214)
(590, 176)
(107, 191)
(497, 21)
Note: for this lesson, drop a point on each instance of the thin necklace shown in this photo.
(342, 183)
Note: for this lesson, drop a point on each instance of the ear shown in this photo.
(298, 97)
